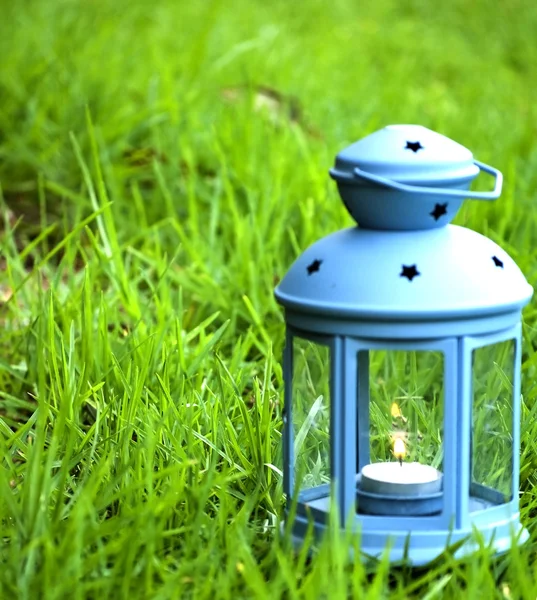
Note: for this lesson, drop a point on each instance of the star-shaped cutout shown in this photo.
(409, 272)
(497, 262)
(439, 211)
(315, 266)
(414, 146)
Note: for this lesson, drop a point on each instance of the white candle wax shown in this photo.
(400, 478)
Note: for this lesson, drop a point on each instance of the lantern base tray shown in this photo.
(320, 506)
(395, 506)
(489, 520)
(420, 547)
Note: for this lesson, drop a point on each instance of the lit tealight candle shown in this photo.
(400, 478)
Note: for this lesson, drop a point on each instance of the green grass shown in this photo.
(153, 204)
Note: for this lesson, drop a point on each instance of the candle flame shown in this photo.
(399, 449)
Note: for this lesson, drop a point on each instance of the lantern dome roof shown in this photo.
(445, 273)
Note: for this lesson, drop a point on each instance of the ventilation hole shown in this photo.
(439, 211)
(414, 146)
(315, 266)
(409, 272)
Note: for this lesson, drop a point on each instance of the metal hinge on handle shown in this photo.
(437, 191)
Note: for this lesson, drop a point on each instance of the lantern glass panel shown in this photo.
(406, 404)
(311, 413)
(493, 369)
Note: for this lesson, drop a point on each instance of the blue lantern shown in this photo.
(402, 359)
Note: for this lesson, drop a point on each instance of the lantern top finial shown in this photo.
(407, 177)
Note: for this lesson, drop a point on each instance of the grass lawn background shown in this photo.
(160, 168)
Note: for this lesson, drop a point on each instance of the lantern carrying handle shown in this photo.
(437, 191)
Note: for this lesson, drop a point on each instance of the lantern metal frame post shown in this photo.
(343, 458)
(288, 437)
(363, 399)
